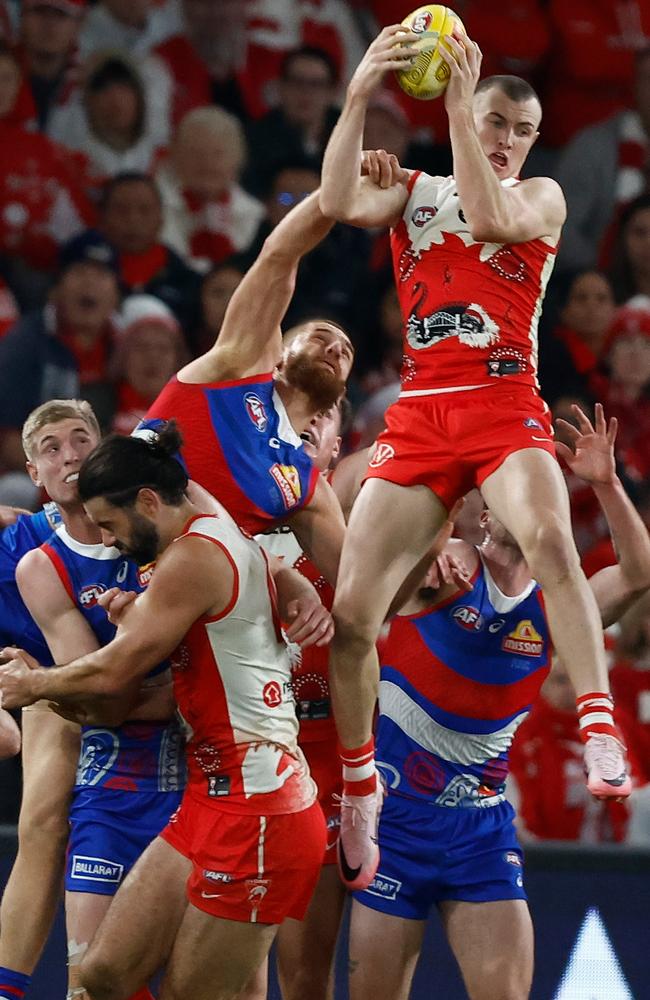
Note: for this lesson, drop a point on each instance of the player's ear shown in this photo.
(336, 450)
(33, 473)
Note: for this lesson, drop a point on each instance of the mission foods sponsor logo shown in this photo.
(524, 639)
(288, 481)
(145, 574)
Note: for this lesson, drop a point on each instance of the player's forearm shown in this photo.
(299, 232)
(341, 174)
(291, 586)
(104, 673)
(629, 533)
(484, 201)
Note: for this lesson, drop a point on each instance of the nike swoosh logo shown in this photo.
(349, 874)
(211, 895)
(548, 440)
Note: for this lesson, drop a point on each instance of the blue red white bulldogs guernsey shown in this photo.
(238, 443)
(130, 778)
(456, 682)
(17, 627)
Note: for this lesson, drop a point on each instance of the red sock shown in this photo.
(143, 994)
(359, 774)
(595, 715)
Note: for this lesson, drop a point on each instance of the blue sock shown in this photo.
(13, 985)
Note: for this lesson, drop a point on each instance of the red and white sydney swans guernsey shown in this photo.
(232, 681)
(470, 309)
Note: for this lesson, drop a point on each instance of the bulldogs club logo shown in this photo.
(467, 321)
(89, 596)
(99, 750)
(423, 214)
(382, 453)
(256, 411)
(422, 22)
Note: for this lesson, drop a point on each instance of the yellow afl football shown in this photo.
(429, 75)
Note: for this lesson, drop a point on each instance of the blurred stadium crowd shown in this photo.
(147, 148)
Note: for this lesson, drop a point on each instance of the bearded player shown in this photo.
(472, 255)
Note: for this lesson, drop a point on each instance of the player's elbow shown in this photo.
(490, 229)
(336, 204)
(9, 740)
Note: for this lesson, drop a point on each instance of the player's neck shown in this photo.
(507, 567)
(298, 404)
(79, 526)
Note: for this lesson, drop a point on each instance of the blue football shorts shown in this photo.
(431, 853)
(109, 830)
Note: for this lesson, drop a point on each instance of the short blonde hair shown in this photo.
(52, 412)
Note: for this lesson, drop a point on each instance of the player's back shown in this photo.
(238, 443)
(232, 679)
(456, 682)
(470, 309)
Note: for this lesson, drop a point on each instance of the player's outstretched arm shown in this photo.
(193, 577)
(533, 209)
(319, 527)
(592, 458)
(250, 340)
(345, 194)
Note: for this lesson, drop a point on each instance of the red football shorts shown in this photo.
(325, 768)
(453, 441)
(256, 869)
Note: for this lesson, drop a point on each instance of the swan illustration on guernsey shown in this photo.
(466, 320)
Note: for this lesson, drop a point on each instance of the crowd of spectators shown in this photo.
(147, 149)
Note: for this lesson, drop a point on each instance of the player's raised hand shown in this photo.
(464, 63)
(309, 623)
(591, 455)
(382, 168)
(392, 49)
(15, 677)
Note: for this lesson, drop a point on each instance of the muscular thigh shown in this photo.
(493, 945)
(383, 953)
(526, 489)
(390, 529)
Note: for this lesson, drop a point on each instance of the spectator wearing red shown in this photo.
(61, 351)
(547, 773)
(207, 216)
(604, 167)
(626, 392)
(42, 199)
(630, 270)
(149, 350)
(9, 312)
(571, 352)
(48, 39)
(301, 124)
(630, 677)
(590, 73)
(110, 121)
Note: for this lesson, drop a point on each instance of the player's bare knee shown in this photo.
(42, 832)
(550, 551)
(354, 635)
(101, 979)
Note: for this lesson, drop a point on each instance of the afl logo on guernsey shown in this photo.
(423, 214)
(145, 573)
(88, 596)
(468, 618)
(256, 411)
(524, 639)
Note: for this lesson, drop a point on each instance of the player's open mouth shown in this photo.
(308, 437)
(498, 159)
(72, 478)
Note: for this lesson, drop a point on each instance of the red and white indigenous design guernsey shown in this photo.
(470, 309)
(232, 681)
